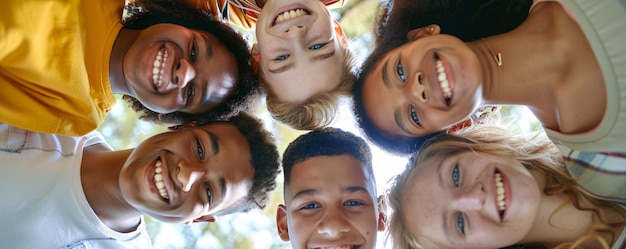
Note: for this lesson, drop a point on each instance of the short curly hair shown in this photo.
(468, 20)
(265, 161)
(247, 92)
(319, 110)
(327, 142)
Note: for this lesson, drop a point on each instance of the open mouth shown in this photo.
(290, 14)
(442, 78)
(500, 194)
(340, 247)
(158, 181)
(157, 68)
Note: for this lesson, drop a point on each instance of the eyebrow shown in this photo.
(305, 192)
(204, 96)
(349, 189)
(397, 116)
(222, 183)
(353, 189)
(445, 216)
(209, 48)
(314, 59)
(214, 144)
(384, 74)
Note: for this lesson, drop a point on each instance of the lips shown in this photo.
(340, 247)
(500, 194)
(443, 79)
(156, 181)
(157, 68)
(290, 14)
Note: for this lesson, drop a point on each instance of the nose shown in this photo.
(472, 198)
(416, 87)
(295, 31)
(188, 175)
(184, 73)
(333, 224)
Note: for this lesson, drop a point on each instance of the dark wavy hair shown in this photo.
(245, 95)
(467, 20)
(265, 161)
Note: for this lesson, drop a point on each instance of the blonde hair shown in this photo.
(319, 110)
(535, 151)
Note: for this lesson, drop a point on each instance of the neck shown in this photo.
(123, 42)
(559, 221)
(547, 65)
(530, 65)
(100, 171)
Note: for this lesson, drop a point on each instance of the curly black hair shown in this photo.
(467, 20)
(326, 142)
(265, 161)
(247, 92)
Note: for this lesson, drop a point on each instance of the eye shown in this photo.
(456, 175)
(200, 149)
(311, 206)
(400, 70)
(281, 57)
(318, 46)
(192, 53)
(414, 116)
(209, 192)
(191, 91)
(460, 223)
(353, 203)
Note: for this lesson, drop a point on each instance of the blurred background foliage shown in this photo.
(256, 230)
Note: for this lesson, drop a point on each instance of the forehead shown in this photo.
(217, 75)
(329, 173)
(422, 200)
(378, 100)
(233, 161)
(306, 78)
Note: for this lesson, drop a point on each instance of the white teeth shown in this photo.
(157, 67)
(500, 192)
(443, 80)
(289, 14)
(158, 181)
(336, 247)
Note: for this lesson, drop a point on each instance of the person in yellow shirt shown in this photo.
(62, 61)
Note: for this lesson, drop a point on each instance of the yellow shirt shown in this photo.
(54, 63)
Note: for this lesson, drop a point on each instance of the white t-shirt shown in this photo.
(42, 200)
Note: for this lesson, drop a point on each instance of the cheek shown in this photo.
(158, 103)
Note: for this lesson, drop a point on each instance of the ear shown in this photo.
(205, 218)
(183, 126)
(256, 57)
(281, 222)
(341, 36)
(463, 124)
(422, 32)
(382, 213)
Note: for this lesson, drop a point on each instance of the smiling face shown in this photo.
(329, 204)
(300, 52)
(423, 86)
(471, 200)
(182, 175)
(171, 68)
